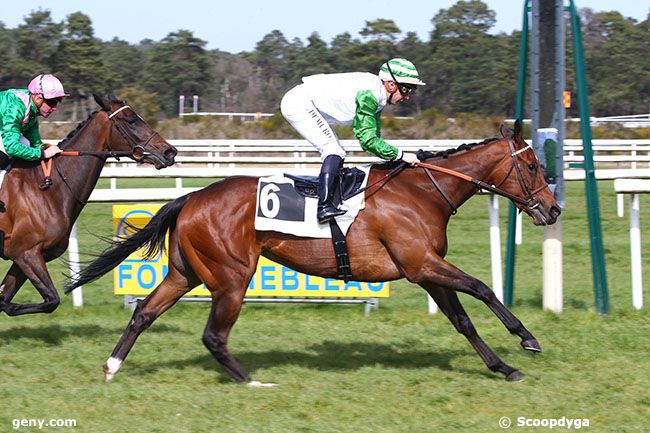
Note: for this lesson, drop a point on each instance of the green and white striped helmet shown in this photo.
(400, 70)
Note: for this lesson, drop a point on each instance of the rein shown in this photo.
(137, 152)
(530, 202)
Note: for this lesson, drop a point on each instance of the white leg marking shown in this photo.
(111, 366)
(256, 384)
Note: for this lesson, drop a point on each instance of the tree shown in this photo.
(79, 62)
(463, 19)
(621, 48)
(124, 61)
(315, 58)
(7, 50)
(35, 43)
(178, 65)
(270, 58)
(381, 29)
(469, 69)
(145, 103)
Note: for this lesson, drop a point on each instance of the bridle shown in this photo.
(529, 202)
(138, 151)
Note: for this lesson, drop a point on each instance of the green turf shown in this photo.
(398, 370)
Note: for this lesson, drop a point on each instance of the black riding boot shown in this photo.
(329, 174)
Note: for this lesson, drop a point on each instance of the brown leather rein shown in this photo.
(529, 202)
(138, 150)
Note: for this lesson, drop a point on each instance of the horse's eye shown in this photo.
(532, 167)
(131, 119)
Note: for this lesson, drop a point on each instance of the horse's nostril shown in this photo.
(170, 153)
(556, 211)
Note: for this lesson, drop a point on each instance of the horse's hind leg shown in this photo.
(450, 305)
(172, 288)
(32, 265)
(11, 283)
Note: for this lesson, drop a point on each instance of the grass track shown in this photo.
(398, 370)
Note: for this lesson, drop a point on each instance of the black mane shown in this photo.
(427, 154)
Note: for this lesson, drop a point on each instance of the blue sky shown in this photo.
(236, 26)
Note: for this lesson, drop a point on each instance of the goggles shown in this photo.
(404, 88)
(53, 102)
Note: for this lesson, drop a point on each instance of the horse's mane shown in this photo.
(427, 154)
(81, 124)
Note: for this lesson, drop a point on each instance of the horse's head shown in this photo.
(134, 135)
(524, 178)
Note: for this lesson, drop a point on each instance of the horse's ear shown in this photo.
(111, 96)
(505, 131)
(517, 128)
(102, 102)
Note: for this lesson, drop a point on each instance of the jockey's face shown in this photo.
(395, 94)
(43, 105)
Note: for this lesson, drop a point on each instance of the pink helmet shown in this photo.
(47, 85)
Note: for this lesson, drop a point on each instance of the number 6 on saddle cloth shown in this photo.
(287, 204)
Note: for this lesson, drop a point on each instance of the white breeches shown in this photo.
(298, 109)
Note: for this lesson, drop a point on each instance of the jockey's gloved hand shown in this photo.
(409, 158)
(51, 151)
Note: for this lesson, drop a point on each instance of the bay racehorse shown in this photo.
(38, 216)
(401, 233)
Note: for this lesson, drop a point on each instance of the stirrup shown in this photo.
(328, 213)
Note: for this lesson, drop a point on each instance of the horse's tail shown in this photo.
(151, 237)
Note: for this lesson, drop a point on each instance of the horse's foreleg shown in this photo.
(450, 305)
(172, 288)
(11, 283)
(447, 276)
(32, 265)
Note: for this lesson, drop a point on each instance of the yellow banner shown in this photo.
(137, 276)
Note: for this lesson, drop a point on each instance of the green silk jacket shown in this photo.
(16, 120)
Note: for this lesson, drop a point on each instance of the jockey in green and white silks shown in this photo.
(354, 98)
(19, 111)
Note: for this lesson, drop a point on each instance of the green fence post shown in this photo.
(591, 186)
(509, 280)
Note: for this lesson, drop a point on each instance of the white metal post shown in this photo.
(552, 263)
(635, 252)
(73, 255)
(495, 247)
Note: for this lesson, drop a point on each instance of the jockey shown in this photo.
(354, 98)
(19, 109)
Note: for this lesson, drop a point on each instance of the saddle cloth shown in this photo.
(281, 208)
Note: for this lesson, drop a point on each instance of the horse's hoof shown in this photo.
(256, 384)
(531, 345)
(108, 374)
(515, 376)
